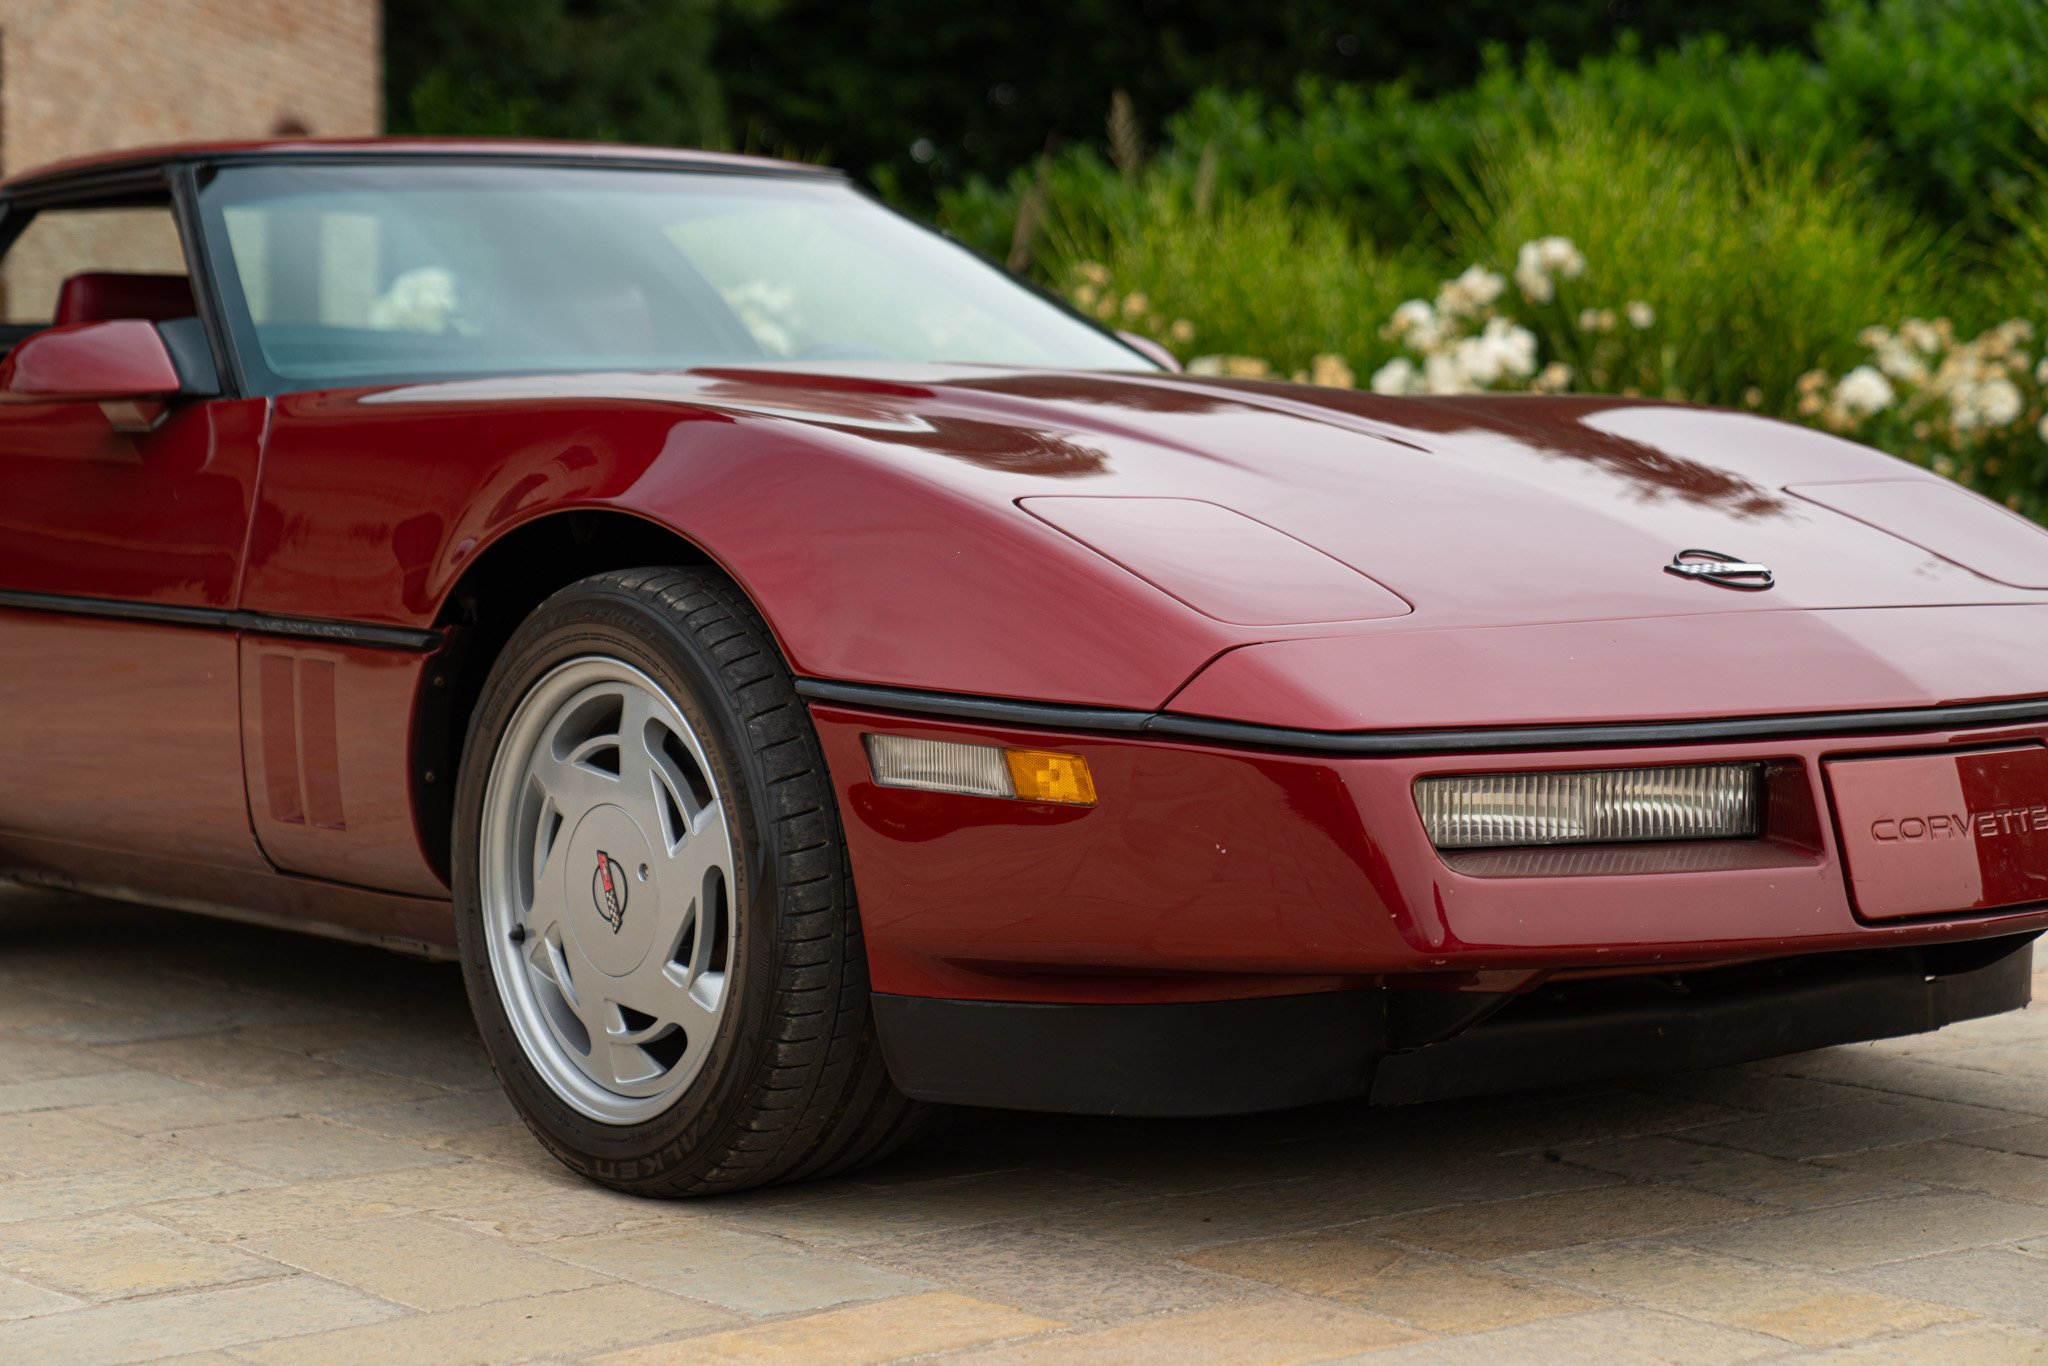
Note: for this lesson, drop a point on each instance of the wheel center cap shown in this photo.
(613, 900)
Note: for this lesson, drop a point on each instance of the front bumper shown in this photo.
(1215, 871)
(1234, 1057)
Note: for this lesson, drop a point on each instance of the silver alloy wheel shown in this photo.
(606, 879)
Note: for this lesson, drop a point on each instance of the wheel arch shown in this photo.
(500, 588)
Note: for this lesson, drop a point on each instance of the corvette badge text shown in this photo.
(2012, 820)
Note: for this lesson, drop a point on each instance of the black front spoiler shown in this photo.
(1236, 1057)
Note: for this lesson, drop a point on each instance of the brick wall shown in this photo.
(84, 75)
(79, 76)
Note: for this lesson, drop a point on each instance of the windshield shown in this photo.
(337, 275)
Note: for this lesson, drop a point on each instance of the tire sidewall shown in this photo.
(602, 618)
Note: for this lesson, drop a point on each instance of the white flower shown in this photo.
(1555, 378)
(1921, 336)
(2000, 403)
(1864, 391)
(1416, 321)
(1470, 292)
(1502, 351)
(1641, 315)
(1559, 256)
(2041, 372)
(1900, 362)
(1476, 357)
(1397, 376)
(1596, 320)
(1230, 367)
(1513, 345)
(1531, 276)
(1331, 372)
(1534, 282)
(1995, 402)
(1538, 262)
(1441, 374)
(2043, 428)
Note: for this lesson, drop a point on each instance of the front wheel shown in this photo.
(656, 920)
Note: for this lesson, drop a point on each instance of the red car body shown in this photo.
(240, 649)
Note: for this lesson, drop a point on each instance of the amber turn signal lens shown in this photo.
(1025, 775)
(1044, 776)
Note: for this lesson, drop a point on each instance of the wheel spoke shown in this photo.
(574, 787)
(709, 836)
(644, 786)
(686, 878)
(543, 818)
(662, 992)
(599, 1014)
(542, 922)
(549, 964)
(707, 990)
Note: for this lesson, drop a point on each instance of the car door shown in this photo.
(120, 556)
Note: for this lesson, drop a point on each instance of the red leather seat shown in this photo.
(102, 296)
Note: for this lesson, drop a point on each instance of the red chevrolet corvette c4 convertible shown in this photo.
(803, 673)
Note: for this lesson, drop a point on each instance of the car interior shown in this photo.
(106, 275)
(96, 296)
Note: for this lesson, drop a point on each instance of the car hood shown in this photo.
(1479, 510)
(1281, 515)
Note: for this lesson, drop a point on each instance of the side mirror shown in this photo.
(1149, 349)
(122, 365)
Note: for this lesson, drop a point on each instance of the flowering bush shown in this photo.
(1467, 340)
(1464, 340)
(1095, 292)
(1974, 409)
(1970, 409)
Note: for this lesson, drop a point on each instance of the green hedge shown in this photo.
(1935, 99)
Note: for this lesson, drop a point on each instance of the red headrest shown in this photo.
(101, 296)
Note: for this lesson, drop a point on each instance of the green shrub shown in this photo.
(1759, 269)
(1946, 92)
(1253, 276)
(1933, 97)
(1385, 159)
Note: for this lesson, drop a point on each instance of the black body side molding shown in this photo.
(1169, 725)
(367, 634)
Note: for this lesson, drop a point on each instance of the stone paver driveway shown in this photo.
(243, 1145)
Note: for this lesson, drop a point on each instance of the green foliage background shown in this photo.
(920, 94)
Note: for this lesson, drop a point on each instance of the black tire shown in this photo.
(794, 1086)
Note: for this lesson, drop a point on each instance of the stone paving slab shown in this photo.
(225, 1144)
